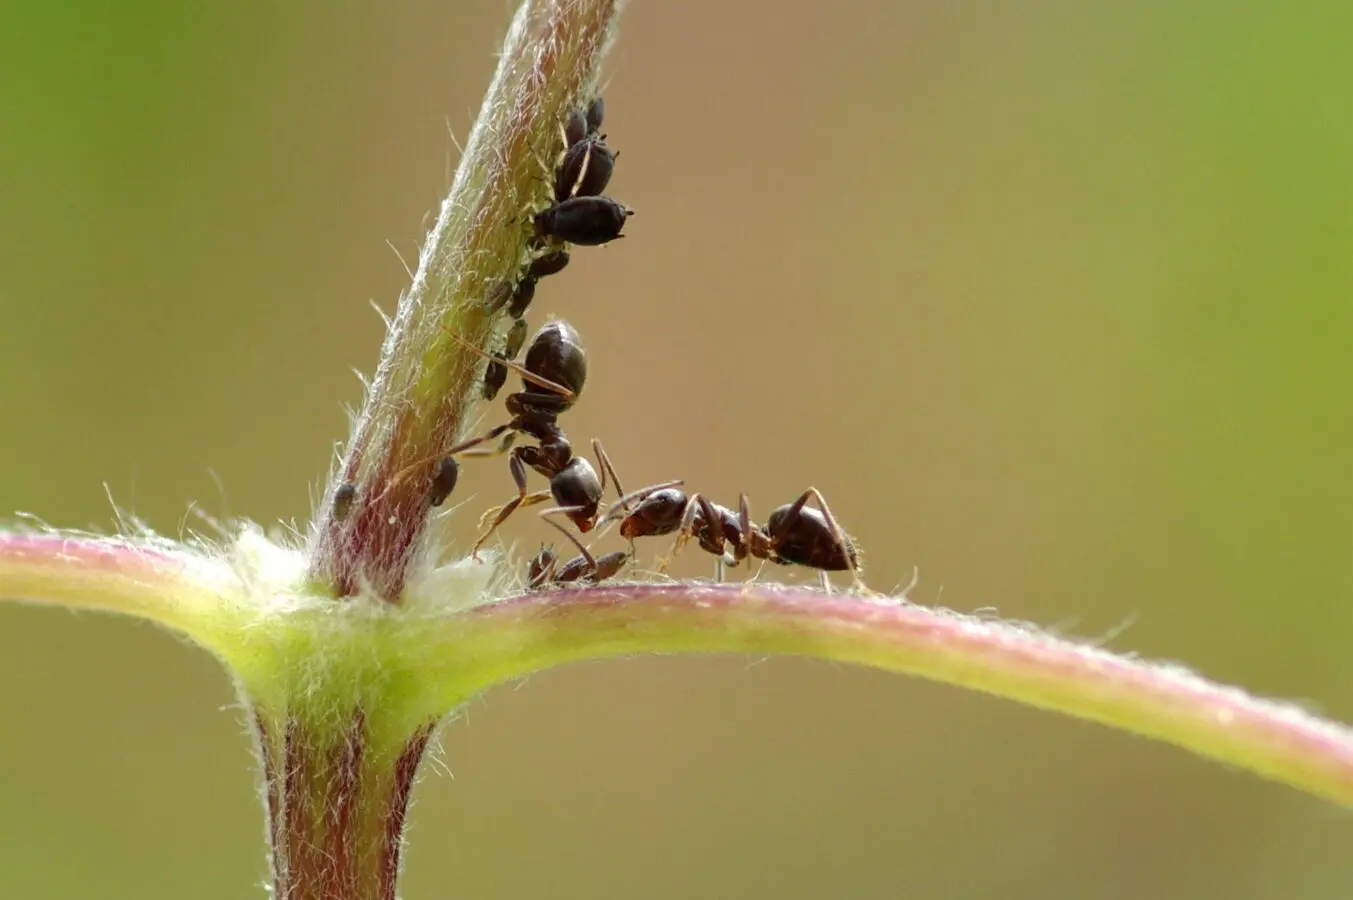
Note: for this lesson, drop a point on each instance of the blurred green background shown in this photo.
(1053, 300)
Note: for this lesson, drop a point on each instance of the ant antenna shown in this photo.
(591, 560)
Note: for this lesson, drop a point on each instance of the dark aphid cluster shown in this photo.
(580, 213)
(581, 173)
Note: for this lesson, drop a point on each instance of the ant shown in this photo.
(795, 534)
(545, 568)
(556, 362)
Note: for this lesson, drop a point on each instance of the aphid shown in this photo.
(495, 376)
(495, 373)
(589, 221)
(522, 296)
(516, 337)
(585, 169)
(545, 568)
(344, 495)
(444, 480)
(582, 123)
(596, 112)
(549, 264)
(497, 295)
(575, 129)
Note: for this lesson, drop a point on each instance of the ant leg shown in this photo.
(475, 442)
(688, 514)
(686, 530)
(591, 560)
(518, 470)
(746, 530)
(515, 366)
(604, 462)
(503, 446)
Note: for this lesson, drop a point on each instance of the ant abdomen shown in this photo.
(556, 354)
(802, 537)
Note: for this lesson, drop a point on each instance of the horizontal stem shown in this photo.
(142, 579)
(1165, 702)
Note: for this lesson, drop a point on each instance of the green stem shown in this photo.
(426, 381)
(1275, 740)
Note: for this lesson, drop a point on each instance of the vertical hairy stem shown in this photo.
(337, 799)
(426, 382)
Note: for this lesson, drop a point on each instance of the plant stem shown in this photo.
(426, 382)
(1166, 702)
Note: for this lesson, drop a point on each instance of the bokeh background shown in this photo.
(1054, 301)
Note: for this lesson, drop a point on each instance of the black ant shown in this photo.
(556, 362)
(795, 534)
(545, 568)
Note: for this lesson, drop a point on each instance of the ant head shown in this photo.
(658, 513)
(556, 354)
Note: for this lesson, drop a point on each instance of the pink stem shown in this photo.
(1166, 702)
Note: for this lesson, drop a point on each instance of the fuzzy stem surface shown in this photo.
(426, 383)
(1166, 702)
